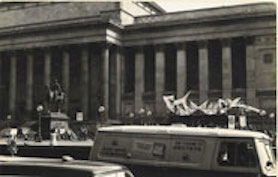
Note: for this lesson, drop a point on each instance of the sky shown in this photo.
(182, 5)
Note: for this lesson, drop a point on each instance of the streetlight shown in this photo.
(101, 111)
(39, 110)
(131, 116)
(9, 118)
(149, 114)
(141, 115)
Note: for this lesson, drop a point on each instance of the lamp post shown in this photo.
(131, 116)
(101, 110)
(9, 117)
(39, 110)
(141, 116)
(149, 116)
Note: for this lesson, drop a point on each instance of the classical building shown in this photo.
(126, 56)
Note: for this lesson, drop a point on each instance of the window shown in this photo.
(237, 154)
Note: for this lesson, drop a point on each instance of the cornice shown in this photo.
(183, 22)
(60, 25)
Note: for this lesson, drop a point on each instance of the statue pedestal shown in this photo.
(52, 121)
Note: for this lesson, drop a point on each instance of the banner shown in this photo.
(231, 121)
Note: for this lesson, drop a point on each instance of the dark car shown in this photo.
(68, 167)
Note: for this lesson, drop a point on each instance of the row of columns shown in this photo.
(86, 83)
(203, 73)
(139, 76)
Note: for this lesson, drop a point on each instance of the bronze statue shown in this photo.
(55, 97)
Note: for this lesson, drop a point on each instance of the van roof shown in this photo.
(183, 130)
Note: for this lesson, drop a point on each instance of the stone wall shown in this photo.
(266, 71)
(53, 12)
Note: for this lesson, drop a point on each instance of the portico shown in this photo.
(100, 61)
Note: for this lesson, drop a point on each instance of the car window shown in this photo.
(237, 154)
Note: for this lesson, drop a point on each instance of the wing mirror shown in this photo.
(268, 165)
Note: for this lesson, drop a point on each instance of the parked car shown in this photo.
(66, 166)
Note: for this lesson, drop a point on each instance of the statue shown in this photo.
(55, 97)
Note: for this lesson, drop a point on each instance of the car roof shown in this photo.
(84, 165)
(183, 130)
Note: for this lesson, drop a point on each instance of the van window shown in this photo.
(237, 154)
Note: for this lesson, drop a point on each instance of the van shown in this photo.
(180, 151)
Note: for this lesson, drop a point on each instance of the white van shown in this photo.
(175, 151)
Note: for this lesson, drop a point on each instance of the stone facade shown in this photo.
(98, 52)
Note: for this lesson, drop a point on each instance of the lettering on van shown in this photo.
(113, 152)
(187, 150)
(113, 147)
(188, 145)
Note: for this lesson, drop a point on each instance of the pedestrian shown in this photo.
(12, 146)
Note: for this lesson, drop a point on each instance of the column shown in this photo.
(114, 82)
(12, 87)
(122, 79)
(47, 67)
(139, 79)
(29, 82)
(118, 81)
(65, 76)
(105, 80)
(94, 75)
(159, 79)
(203, 71)
(181, 69)
(250, 72)
(1, 85)
(226, 68)
(85, 81)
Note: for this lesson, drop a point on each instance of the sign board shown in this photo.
(231, 121)
(79, 116)
(242, 121)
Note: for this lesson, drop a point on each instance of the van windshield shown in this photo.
(267, 158)
(237, 154)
